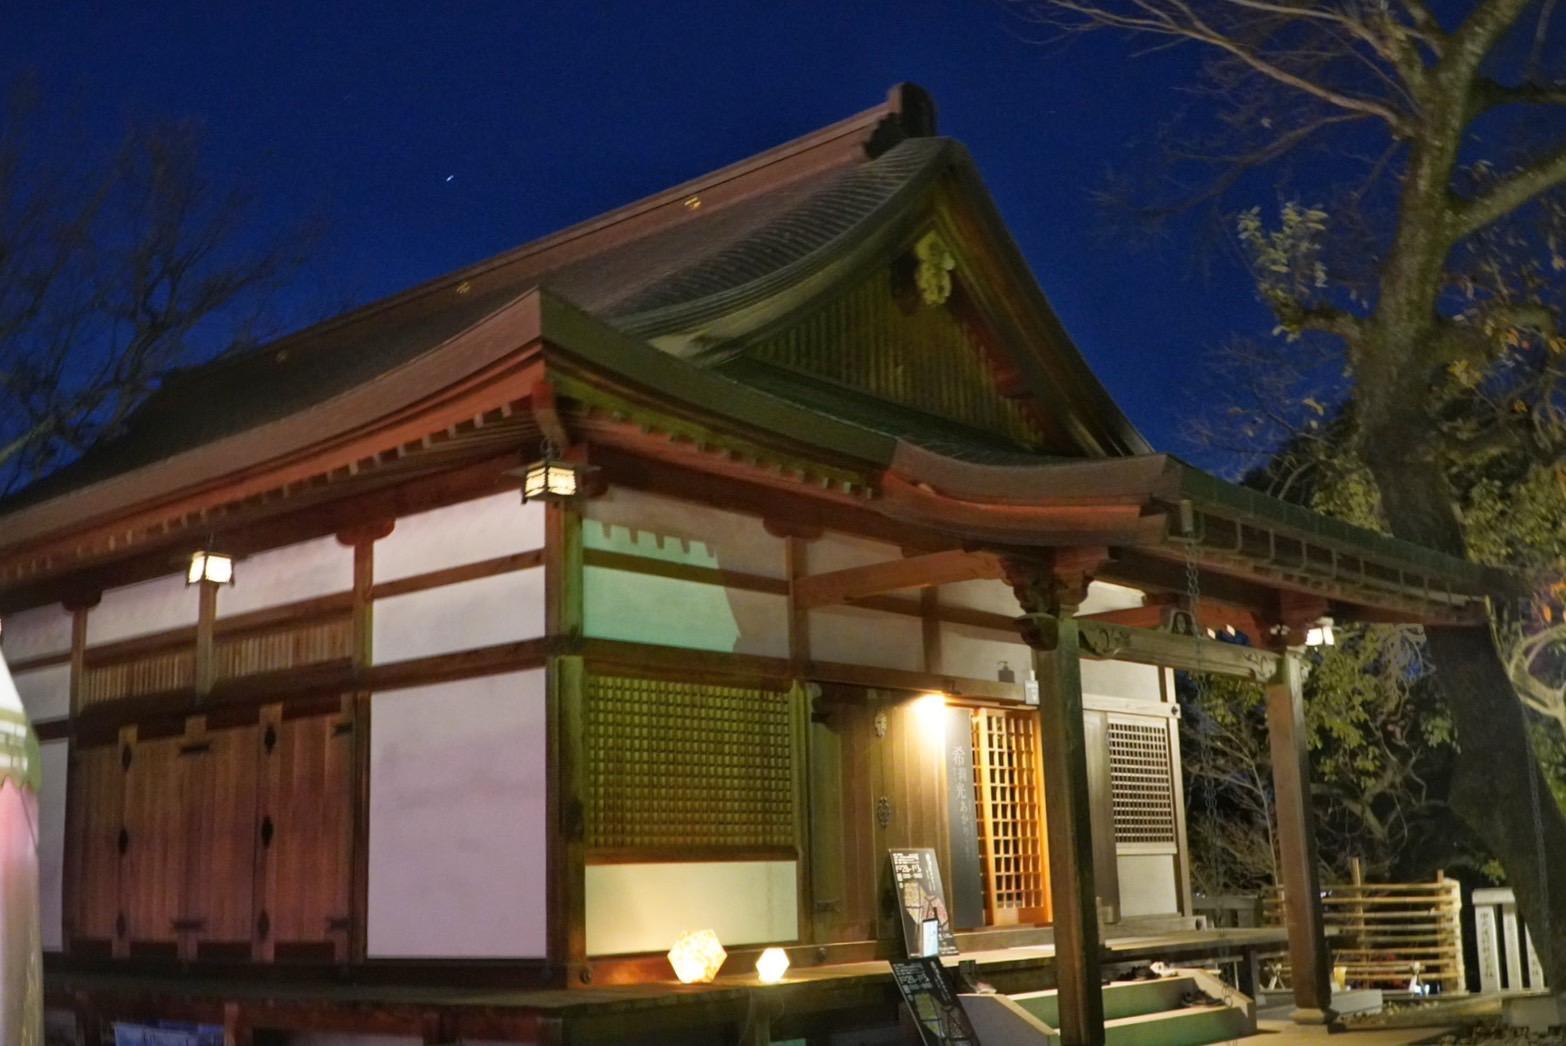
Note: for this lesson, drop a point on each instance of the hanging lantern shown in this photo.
(1320, 634)
(697, 957)
(552, 478)
(207, 565)
(771, 965)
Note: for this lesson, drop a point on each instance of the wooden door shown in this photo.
(842, 823)
(307, 830)
(877, 782)
(1009, 780)
(217, 779)
(95, 816)
(157, 840)
(908, 774)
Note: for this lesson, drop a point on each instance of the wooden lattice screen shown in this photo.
(1010, 801)
(1141, 778)
(686, 766)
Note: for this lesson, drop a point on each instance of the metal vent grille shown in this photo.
(675, 764)
(1141, 781)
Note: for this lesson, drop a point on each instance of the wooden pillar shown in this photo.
(361, 538)
(1068, 816)
(567, 891)
(1049, 595)
(1309, 962)
(206, 636)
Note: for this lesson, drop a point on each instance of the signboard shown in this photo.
(928, 991)
(963, 816)
(927, 927)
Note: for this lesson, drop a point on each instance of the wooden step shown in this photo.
(1136, 1013)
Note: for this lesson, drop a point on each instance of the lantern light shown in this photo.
(772, 965)
(697, 956)
(1320, 634)
(206, 565)
(551, 478)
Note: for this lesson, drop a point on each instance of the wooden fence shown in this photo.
(1389, 935)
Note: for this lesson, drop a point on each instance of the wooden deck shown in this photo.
(811, 1000)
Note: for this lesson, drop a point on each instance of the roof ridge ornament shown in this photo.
(933, 276)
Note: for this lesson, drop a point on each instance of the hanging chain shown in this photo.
(1199, 680)
(1202, 692)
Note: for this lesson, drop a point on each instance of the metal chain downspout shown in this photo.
(1199, 681)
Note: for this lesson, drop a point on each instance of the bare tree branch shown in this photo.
(1508, 195)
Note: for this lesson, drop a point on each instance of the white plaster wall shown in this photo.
(137, 610)
(855, 636)
(1120, 679)
(287, 575)
(646, 608)
(840, 551)
(457, 825)
(1147, 885)
(666, 528)
(51, 841)
(994, 597)
(501, 608)
(1102, 596)
(467, 532)
(46, 692)
(36, 633)
(977, 652)
(644, 907)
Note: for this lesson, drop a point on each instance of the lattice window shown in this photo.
(1011, 816)
(1141, 780)
(676, 764)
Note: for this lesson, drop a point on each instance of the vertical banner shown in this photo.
(963, 816)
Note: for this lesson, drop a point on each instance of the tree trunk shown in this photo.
(1497, 787)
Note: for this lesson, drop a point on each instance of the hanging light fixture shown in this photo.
(211, 566)
(552, 478)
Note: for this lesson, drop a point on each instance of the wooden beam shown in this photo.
(1308, 956)
(934, 568)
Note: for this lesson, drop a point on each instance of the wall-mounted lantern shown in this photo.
(207, 565)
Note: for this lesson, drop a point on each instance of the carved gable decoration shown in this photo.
(877, 338)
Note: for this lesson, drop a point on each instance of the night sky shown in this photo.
(426, 136)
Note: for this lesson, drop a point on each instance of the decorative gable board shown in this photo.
(922, 357)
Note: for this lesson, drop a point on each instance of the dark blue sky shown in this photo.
(430, 135)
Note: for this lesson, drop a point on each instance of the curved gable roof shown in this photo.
(699, 253)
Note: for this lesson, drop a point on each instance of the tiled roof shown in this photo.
(698, 258)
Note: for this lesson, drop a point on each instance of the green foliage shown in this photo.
(1380, 743)
(1287, 260)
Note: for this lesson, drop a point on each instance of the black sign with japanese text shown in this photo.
(928, 991)
(927, 927)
